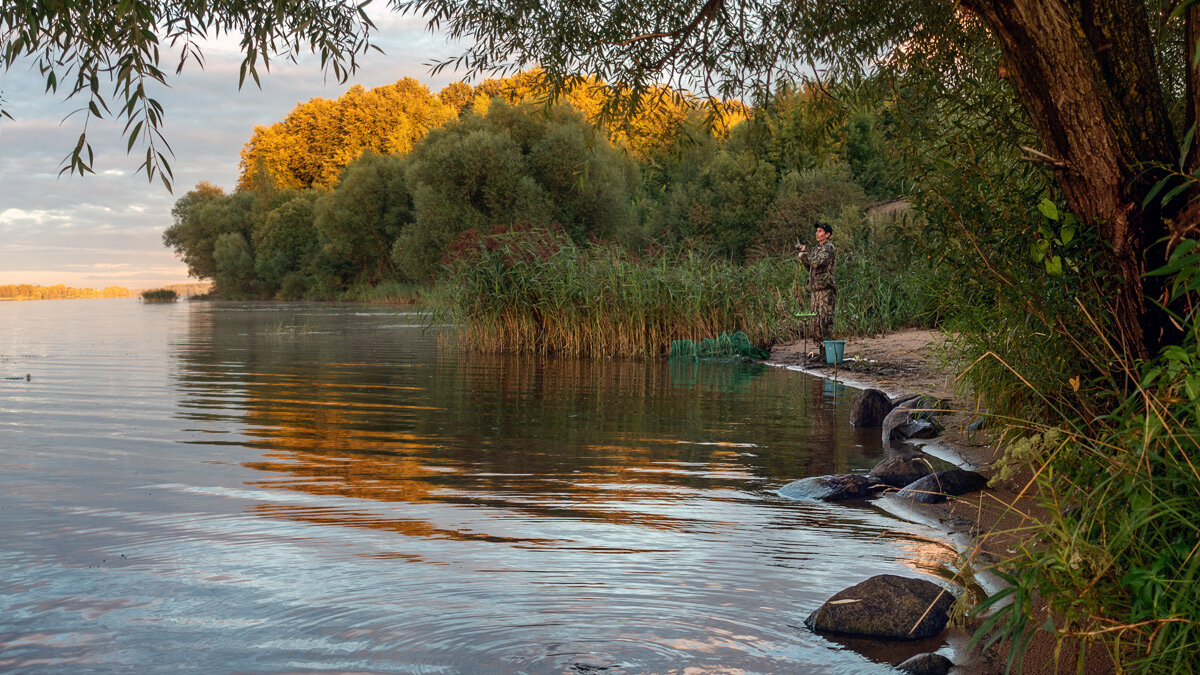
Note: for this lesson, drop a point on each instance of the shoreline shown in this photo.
(912, 362)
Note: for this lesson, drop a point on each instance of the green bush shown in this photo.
(160, 295)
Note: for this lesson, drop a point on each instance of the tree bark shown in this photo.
(1085, 72)
(1191, 34)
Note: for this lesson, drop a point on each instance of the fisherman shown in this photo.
(822, 295)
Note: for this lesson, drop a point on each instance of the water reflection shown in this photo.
(322, 487)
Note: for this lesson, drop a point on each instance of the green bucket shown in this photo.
(833, 351)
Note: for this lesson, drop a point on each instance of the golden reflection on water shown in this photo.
(477, 430)
(348, 497)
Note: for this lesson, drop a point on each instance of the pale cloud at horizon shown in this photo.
(107, 227)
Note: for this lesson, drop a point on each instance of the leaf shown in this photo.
(1186, 146)
(1054, 265)
(1174, 193)
(1154, 191)
(1048, 209)
(133, 137)
(1192, 386)
(1067, 235)
(1181, 8)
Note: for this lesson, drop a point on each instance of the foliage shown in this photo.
(958, 131)
(159, 295)
(885, 281)
(234, 263)
(511, 165)
(319, 138)
(201, 217)
(285, 242)
(662, 116)
(58, 292)
(86, 45)
(531, 288)
(741, 47)
(805, 197)
(359, 220)
(1117, 559)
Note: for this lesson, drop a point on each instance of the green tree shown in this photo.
(1087, 74)
(512, 164)
(285, 242)
(200, 218)
(718, 199)
(805, 197)
(467, 175)
(360, 220)
(234, 261)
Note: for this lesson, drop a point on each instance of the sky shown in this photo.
(105, 229)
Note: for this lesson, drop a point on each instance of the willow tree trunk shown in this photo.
(1086, 74)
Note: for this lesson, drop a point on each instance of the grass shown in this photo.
(531, 289)
(388, 292)
(1114, 555)
(160, 295)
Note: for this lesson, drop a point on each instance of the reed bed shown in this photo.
(532, 289)
(160, 295)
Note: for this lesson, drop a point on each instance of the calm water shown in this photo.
(205, 487)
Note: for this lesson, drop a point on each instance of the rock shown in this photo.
(930, 405)
(903, 423)
(978, 424)
(869, 407)
(885, 606)
(926, 664)
(828, 488)
(936, 487)
(900, 471)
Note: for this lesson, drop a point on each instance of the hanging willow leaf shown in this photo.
(93, 42)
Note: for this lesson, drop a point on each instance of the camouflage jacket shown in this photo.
(820, 263)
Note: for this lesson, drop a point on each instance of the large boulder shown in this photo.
(899, 471)
(828, 488)
(936, 487)
(869, 407)
(931, 404)
(903, 423)
(885, 606)
(926, 664)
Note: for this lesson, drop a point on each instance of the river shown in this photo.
(268, 488)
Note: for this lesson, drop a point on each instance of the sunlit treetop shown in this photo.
(107, 55)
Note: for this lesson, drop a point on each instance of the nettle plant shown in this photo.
(1057, 230)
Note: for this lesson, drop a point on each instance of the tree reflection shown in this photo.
(346, 404)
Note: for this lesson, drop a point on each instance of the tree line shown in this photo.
(371, 188)
(59, 292)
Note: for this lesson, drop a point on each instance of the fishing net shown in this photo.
(726, 346)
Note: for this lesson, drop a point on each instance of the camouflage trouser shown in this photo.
(822, 303)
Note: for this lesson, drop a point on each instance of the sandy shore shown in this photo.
(985, 526)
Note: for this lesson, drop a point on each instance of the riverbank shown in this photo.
(986, 526)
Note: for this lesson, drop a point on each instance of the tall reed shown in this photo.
(532, 289)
